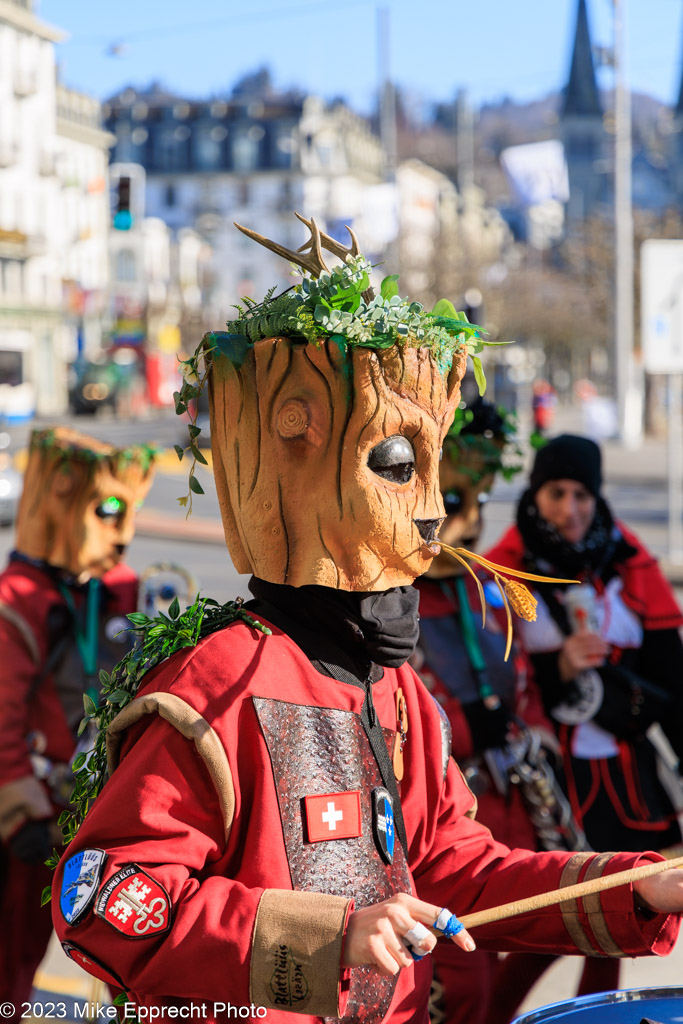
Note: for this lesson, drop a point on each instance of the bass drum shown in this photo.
(632, 1006)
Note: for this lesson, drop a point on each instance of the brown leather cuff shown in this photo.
(296, 952)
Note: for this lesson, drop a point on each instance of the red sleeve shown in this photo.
(160, 811)
(646, 591)
(22, 795)
(457, 863)
(17, 672)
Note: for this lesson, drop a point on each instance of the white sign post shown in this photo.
(661, 280)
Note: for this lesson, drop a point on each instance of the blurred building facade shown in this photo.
(450, 238)
(258, 155)
(54, 218)
(252, 159)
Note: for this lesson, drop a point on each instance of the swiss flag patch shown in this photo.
(333, 816)
(92, 966)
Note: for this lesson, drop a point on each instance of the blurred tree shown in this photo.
(564, 299)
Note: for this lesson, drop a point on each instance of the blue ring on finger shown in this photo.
(448, 924)
(415, 956)
(453, 927)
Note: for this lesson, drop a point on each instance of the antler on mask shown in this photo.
(312, 261)
(336, 248)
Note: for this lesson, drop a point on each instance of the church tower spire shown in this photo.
(581, 95)
(582, 129)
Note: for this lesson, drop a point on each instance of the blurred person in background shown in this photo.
(598, 414)
(498, 723)
(63, 600)
(607, 656)
(543, 401)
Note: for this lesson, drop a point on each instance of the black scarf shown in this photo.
(550, 555)
(56, 574)
(368, 627)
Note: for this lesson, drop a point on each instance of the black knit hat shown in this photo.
(568, 457)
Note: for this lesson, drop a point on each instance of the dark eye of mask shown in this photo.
(110, 508)
(452, 502)
(393, 459)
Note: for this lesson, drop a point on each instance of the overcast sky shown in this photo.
(493, 48)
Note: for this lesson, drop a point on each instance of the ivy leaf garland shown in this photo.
(157, 639)
(66, 450)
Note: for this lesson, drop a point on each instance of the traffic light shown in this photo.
(123, 218)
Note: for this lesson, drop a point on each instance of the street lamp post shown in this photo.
(387, 96)
(628, 394)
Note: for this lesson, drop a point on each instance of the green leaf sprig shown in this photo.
(157, 639)
(67, 450)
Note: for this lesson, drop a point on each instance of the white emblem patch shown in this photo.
(134, 903)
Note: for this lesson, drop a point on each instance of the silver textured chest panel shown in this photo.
(322, 750)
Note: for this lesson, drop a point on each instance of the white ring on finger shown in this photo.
(443, 919)
(417, 934)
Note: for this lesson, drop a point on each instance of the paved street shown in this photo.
(636, 486)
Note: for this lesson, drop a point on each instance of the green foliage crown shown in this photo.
(338, 305)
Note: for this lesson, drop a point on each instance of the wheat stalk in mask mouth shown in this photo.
(514, 595)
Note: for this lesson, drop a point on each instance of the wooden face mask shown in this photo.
(79, 501)
(329, 405)
(326, 460)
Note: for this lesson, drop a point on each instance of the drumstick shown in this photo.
(571, 892)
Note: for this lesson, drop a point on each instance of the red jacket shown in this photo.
(205, 810)
(639, 810)
(31, 705)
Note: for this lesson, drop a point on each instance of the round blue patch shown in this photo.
(383, 823)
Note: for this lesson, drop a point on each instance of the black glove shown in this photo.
(489, 726)
(31, 843)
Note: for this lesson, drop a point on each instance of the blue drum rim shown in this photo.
(628, 995)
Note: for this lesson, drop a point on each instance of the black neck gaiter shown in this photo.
(380, 627)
